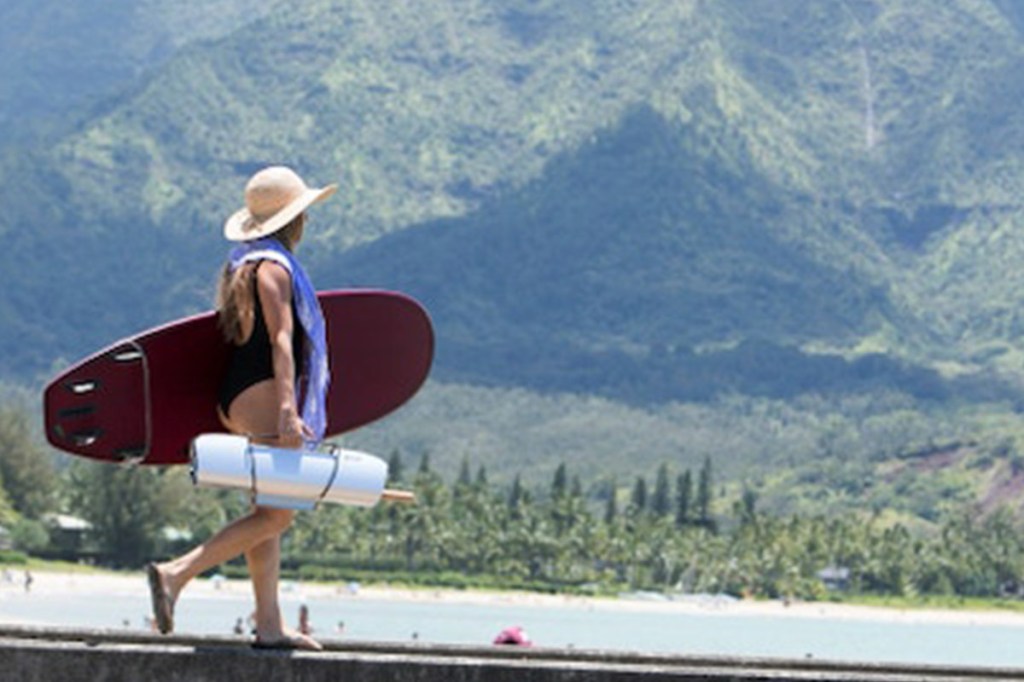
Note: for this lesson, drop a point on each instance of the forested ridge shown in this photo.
(687, 177)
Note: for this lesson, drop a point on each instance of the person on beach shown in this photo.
(269, 313)
(304, 625)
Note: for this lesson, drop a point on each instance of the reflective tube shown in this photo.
(282, 477)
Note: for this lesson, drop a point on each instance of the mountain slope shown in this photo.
(772, 175)
(57, 59)
(646, 265)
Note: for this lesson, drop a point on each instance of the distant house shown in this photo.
(835, 577)
(69, 535)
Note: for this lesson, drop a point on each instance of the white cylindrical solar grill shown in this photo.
(282, 477)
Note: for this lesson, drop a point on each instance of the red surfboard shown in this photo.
(145, 398)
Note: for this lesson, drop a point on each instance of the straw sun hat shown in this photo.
(273, 198)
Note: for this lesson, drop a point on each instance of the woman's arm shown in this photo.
(275, 287)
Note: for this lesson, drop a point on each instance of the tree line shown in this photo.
(669, 538)
(672, 533)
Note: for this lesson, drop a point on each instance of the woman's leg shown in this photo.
(264, 561)
(264, 568)
(239, 536)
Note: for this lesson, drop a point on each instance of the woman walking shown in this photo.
(274, 389)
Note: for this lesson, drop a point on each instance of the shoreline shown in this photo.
(112, 583)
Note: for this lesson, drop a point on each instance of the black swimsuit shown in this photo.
(253, 362)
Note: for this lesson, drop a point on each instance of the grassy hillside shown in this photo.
(661, 207)
(361, 94)
(883, 127)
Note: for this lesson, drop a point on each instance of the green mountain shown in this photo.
(751, 207)
(58, 60)
(645, 265)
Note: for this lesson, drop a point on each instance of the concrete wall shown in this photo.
(38, 654)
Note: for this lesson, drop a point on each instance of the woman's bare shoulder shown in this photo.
(273, 273)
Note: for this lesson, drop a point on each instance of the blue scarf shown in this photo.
(307, 309)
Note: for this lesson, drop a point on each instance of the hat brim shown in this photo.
(243, 226)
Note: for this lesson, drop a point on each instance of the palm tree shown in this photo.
(684, 496)
(661, 502)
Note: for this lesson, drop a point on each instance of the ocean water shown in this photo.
(578, 625)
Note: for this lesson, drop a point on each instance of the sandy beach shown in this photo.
(121, 584)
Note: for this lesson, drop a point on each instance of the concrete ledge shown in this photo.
(38, 654)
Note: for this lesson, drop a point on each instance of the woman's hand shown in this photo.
(291, 430)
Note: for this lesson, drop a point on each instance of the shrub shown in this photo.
(30, 536)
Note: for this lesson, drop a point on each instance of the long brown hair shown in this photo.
(235, 300)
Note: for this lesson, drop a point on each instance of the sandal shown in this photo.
(283, 644)
(163, 608)
(298, 643)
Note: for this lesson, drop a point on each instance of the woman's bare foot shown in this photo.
(172, 580)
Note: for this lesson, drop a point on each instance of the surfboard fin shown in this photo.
(131, 455)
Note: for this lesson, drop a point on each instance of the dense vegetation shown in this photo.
(670, 531)
(671, 535)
